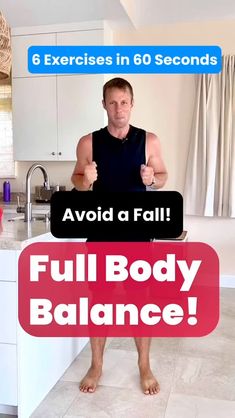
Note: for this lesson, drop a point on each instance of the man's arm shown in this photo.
(84, 173)
(155, 173)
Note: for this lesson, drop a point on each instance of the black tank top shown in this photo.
(119, 160)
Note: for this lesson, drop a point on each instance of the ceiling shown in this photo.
(46, 12)
(132, 13)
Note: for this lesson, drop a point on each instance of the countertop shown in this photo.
(15, 235)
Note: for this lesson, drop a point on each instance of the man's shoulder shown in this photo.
(86, 137)
(152, 142)
(151, 137)
(99, 133)
(85, 140)
(136, 128)
(137, 132)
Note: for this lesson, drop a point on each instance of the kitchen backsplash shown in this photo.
(13, 201)
(59, 174)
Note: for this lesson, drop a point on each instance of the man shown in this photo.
(119, 157)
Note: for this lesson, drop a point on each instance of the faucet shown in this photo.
(28, 205)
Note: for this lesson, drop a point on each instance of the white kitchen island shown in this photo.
(29, 366)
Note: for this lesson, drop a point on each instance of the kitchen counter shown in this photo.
(15, 235)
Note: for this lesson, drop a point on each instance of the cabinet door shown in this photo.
(20, 45)
(34, 118)
(8, 265)
(80, 110)
(8, 312)
(8, 373)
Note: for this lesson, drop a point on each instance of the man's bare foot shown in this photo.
(90, 381)
(149, 384)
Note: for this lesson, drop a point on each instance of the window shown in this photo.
(7, 164)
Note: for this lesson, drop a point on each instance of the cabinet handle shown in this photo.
(60, 153)
(53, 153)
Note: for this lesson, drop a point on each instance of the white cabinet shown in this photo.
(8, 320)
(29, 366)
(20, 45)
(34, 118)
(42, 362)
(50, 112)
(80, 110)
(8, 312)
(8, 373)
(8, 265)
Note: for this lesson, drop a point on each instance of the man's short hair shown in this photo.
(118, 83)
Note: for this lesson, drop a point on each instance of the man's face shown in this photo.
(118, 104)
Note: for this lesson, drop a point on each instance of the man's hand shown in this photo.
(90, 173)
(147, 174)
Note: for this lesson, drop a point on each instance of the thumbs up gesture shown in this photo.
(90, 172)
(147, 174)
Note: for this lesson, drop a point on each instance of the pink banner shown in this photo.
(118, 289)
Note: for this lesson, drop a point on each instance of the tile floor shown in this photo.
(197, 378)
